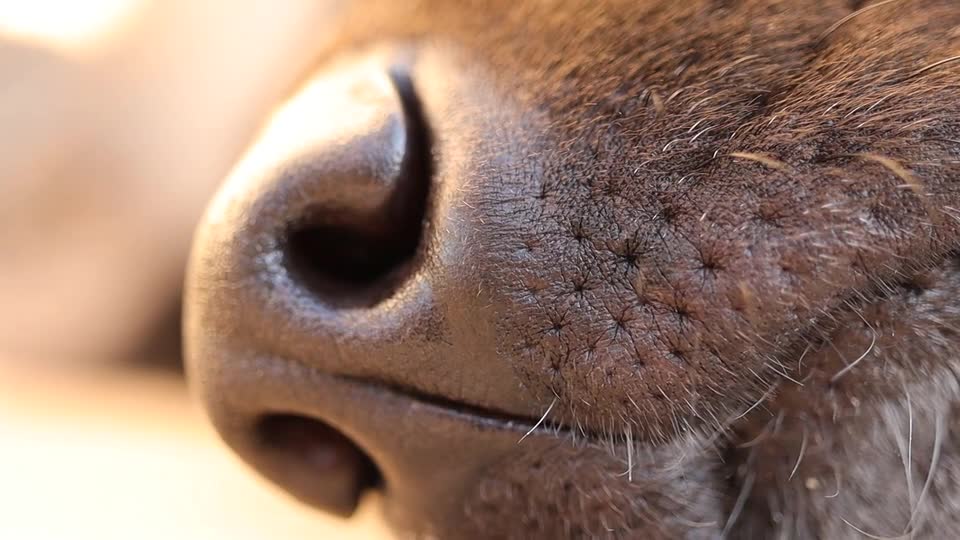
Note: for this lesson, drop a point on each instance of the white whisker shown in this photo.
(803, 448)
(540, 421)
(873, 342)
(934, 461)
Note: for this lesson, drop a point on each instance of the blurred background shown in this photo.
(118, 118)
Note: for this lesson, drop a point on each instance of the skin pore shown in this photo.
(602, 269)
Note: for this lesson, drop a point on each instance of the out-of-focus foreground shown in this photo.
(119, 118)
(107, 455)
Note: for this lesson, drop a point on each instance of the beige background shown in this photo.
(118, 118)
(105, 455)
(114, 132)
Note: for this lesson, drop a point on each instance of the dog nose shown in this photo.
(338, 184)
(326, 210)
(329, 328)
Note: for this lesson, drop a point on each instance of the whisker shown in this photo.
(540, 421)
(934, 65)
(762, 159)
(836, 478)
(738, 506)
(874, 536)
(934, 461)
(853, 364)
(803, 447)
(833, 28)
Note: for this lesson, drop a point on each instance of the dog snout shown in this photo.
(331, 332)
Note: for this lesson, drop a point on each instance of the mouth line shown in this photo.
(477, 416)
(484, 418)
(487, 418)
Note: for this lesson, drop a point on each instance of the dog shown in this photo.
(605, 269)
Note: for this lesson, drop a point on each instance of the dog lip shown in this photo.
(428, 449)
(475, 415)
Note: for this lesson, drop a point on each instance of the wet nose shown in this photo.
(325, 314)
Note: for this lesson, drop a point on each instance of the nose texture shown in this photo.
(320, 247)
(335, 193)
(326, 311)
(352, 245)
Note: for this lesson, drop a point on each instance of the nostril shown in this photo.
(356, 255)
(317, 462)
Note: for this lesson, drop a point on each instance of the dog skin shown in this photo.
(639, 269)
